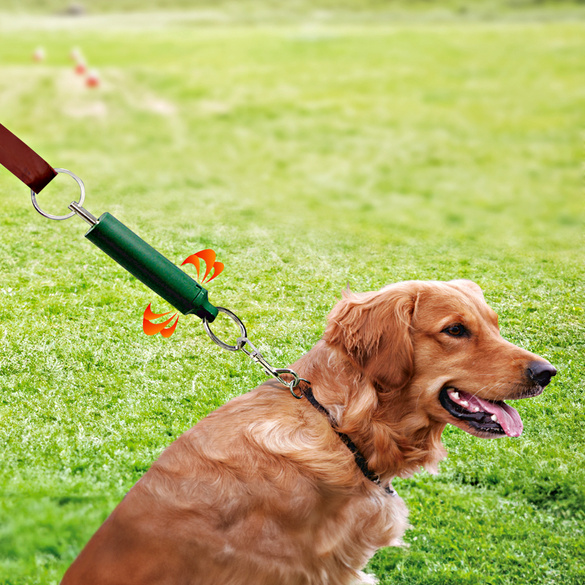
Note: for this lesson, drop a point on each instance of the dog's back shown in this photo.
(261, 491)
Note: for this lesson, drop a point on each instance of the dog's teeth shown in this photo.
(476, 409)
(464, 403)
(494, 417)
(455, 395)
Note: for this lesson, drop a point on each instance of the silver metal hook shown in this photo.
(244, 344)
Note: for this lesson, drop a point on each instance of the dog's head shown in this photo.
(438, 344)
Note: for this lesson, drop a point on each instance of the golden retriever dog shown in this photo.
(270, 490)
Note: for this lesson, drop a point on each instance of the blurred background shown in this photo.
(311, 144)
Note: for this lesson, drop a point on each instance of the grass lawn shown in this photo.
(307, 155)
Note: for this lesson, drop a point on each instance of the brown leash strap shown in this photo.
(23, 162)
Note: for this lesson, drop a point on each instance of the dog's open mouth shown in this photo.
(495, 418)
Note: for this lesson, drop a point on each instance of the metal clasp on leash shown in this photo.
(245, 345)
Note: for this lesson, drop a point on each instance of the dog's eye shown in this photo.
(456, 330)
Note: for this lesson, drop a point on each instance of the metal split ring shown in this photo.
(241, 340)
(33, 197)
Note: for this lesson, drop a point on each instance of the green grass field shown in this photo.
(336, 10)
(308, 155)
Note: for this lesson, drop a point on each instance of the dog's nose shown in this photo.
(541, 372)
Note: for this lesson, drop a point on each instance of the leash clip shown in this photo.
(277, 373)
(254, 353)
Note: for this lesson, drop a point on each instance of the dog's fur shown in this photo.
(264, 492)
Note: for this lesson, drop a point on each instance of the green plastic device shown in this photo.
(151, 267)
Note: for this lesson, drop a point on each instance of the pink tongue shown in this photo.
(508, 417)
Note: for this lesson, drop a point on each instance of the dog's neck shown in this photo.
(395, 440)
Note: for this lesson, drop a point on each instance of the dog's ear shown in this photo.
(373, 330)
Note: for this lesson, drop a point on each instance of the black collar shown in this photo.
(307, 392)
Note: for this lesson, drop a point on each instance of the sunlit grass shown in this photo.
(307, 157)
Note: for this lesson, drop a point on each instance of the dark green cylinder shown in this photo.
(150, 267)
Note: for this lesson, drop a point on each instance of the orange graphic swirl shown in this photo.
(153, 328)
(208, 256)
(212, 270)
